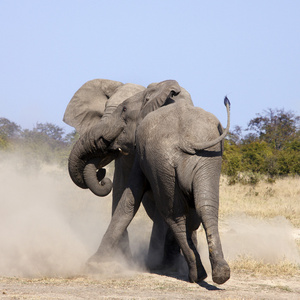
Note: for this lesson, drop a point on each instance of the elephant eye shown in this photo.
(124, 109)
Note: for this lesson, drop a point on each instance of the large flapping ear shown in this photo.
(87, 105)
(157, 95)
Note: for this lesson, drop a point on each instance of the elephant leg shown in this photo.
(149, 204)
(172, 206)
(123, 214)
(157, 242)
(206, 194)
(164, 250)
(196, 270)
(171, 250)
(193, 223)
(157, 239)
(121, 176)
(123, 245)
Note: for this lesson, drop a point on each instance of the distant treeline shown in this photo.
(46, 142)
(270, 146)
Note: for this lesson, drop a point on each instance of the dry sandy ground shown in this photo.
(143, 285)
(49, 227)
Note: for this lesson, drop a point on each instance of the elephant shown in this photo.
(100, 110)
(178, 156)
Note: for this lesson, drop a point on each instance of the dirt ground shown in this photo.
(143, 285)
(49, 228)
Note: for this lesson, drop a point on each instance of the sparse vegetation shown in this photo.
(264, 200)
(248, 265)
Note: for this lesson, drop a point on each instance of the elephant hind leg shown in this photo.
(171, 203)
(172, 254)
(197, 272)
(206, 194)
(178, 224)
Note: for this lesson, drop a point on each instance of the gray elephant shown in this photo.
(106, 123)
(179, 156)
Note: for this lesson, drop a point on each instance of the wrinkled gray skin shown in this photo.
(107, 123)
(179, 155)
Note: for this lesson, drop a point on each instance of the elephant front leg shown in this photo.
(157, 241)
(123, 214)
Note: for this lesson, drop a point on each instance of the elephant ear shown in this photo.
(158, 95)
(87, 105)
(122, 93)
(183, 96)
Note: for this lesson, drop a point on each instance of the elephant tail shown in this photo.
(191, 149)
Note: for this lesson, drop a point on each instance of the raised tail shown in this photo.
(208, 144)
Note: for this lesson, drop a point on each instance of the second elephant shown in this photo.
(179, 156)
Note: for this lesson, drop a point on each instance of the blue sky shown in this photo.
(248, 50)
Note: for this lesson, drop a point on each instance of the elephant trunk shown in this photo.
(95, 178)
(87, 159)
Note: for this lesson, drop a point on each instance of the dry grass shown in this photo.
(254, 267)
(264, 200)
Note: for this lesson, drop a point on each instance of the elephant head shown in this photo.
(114, 135)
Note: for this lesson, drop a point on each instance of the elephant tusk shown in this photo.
(123, 152)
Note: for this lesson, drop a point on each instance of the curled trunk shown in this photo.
(99, 184)
(86, 162)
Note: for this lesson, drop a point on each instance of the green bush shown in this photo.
(231, 159)
(289, 159)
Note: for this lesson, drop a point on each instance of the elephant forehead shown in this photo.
(126, 91)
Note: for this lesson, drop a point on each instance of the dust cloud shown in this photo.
(269, 241)
(50, 227)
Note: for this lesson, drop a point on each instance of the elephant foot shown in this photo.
(197, 274)
(111, 265)
(221, 272)
(96, 258)
(201, 274)
(95, 262)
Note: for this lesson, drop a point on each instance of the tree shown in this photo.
(275, 126)
(9, 129)
(234, 136)
(50, 130)
(46, 142)
(271, 147)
